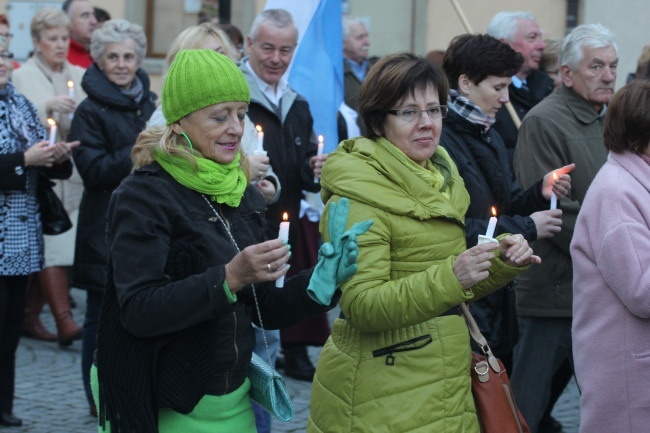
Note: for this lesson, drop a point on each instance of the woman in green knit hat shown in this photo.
(186, 237)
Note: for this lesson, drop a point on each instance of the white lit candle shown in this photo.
(553, 196)
(260, 142)
(321, 144)
(52, 124)
(71, 93)
(283, 236)
(492, 224)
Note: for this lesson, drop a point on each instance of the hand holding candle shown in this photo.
(283, 236)
(52, 124)
(321, 144)
(553, 196)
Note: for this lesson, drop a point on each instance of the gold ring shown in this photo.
(268, 267)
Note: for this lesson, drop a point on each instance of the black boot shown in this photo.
(10, 420)
(297, 363)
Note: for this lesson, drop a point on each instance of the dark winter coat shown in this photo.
(168, 334)
(107, 123)
(288, 141)
(540, 86)
(482, 162)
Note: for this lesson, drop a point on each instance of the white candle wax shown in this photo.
(283, 236)
(553, 196)
(492, 225)
(319, 152)
(259, 150)
(52, 131)
(71, 94)
(553, 201)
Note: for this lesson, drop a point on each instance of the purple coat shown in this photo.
(611, 298)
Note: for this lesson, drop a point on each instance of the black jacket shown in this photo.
(540, 86)
(107, 123)
(288, 139)
(482, 162)
(167, 333)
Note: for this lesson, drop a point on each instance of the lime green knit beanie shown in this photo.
(199, 78)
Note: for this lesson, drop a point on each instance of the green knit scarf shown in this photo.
(223, 183)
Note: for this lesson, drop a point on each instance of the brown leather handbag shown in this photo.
(495, 402)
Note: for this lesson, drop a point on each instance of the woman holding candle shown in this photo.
(186, 234)
(44, 79)
(611, 277)
(209, 36)
(401, 337)
(24, 152)
(107, 123)
(479, 69)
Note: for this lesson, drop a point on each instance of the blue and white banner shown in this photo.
(316, 71)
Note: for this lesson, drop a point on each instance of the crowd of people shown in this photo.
(177, 200)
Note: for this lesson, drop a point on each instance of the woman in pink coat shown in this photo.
(611, 281)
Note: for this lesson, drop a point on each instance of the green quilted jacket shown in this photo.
(395, 363)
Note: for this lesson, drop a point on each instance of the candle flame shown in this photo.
(285, 217)
(51, 121)
(70, 84)
(554, 176)
(259, 128)
(494, 211)
(321, 138)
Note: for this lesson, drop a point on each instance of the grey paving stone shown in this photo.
(50, 396)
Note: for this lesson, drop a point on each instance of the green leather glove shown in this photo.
(337, 259)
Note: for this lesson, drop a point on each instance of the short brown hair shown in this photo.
(390, 80)
(627, 122)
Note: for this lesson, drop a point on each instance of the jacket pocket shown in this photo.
(404, 346)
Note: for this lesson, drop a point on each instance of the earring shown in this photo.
(189, 143)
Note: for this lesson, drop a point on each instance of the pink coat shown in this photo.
(611, 298)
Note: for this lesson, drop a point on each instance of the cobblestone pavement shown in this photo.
(50, 397)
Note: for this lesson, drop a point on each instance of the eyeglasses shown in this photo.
(414, 114)
(7, 35)
(6, 56)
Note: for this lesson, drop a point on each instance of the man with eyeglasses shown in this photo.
(82, 25)
(529, 85)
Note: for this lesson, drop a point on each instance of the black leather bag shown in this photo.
(54, 217)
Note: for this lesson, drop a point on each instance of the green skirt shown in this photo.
(213, 414)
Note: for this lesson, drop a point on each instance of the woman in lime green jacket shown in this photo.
(398, 359)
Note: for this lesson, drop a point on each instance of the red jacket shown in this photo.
(78, 55)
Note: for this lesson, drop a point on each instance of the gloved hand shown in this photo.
(337, 259)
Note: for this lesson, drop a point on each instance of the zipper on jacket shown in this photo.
(404, 346)
(234, 315)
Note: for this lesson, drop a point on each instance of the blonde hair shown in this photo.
(163, 138)
(48, 18)
(195, 37)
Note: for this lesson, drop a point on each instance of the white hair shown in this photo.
(280, 18)
(348, 22)
(592, 36)
(117, 31)
(504, 24)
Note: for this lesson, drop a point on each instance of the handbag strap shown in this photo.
(478, 337)
(234, 243)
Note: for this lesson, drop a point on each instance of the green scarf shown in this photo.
(437, 172)
(223, 183)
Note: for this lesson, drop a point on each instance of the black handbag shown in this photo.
(54, 217)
